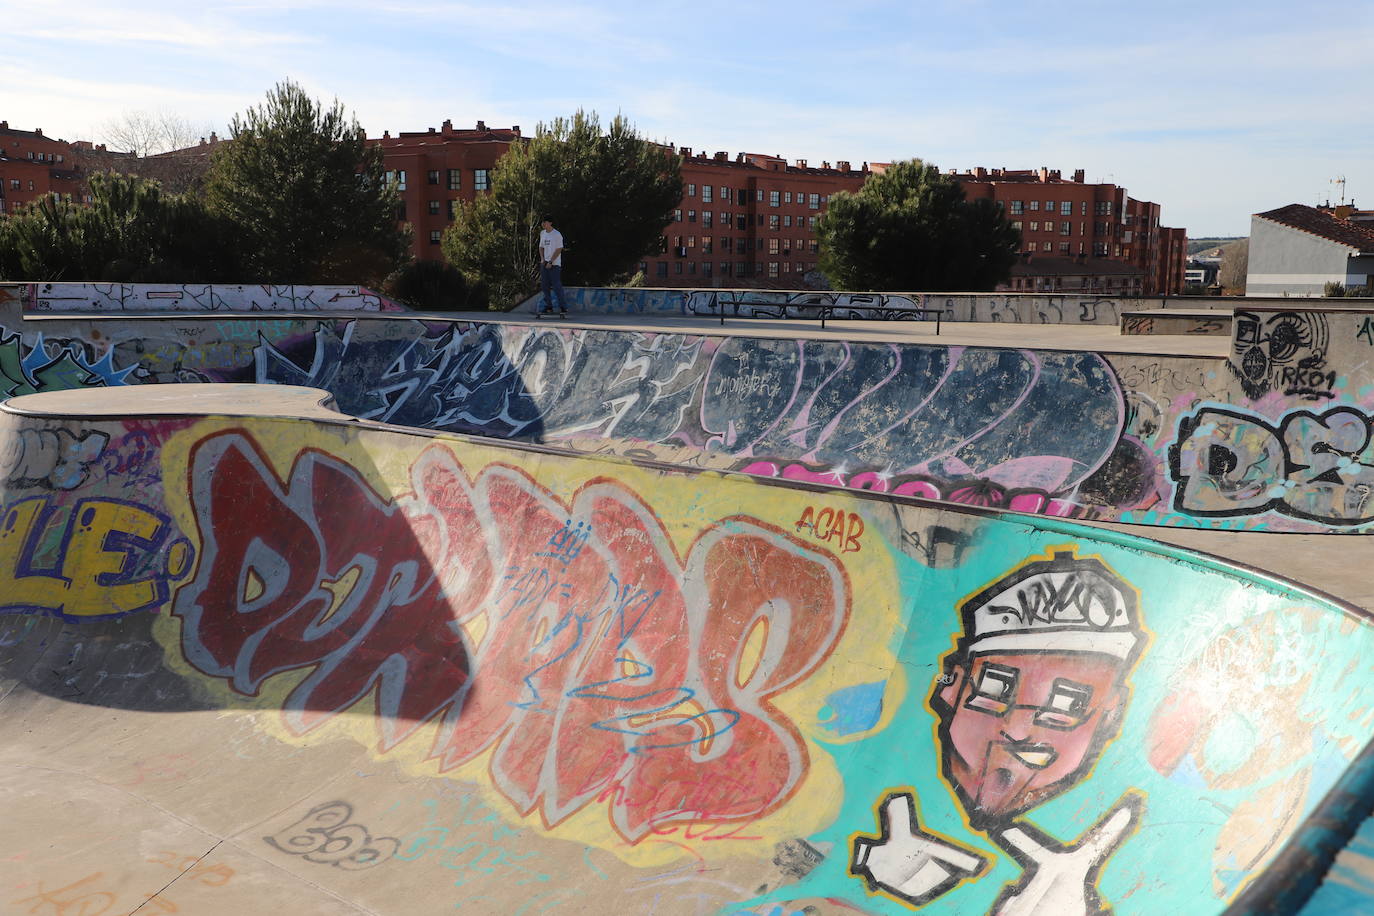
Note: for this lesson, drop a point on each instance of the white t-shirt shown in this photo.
(551, 240)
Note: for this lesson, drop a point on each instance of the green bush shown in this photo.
(1333, 290)
(1357, 292)
(434, 286)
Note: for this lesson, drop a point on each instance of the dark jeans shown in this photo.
(552, 278)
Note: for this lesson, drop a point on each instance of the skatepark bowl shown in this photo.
(312, 605)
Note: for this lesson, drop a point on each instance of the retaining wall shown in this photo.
(778, 696)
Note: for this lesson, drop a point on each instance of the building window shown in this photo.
(1016, 224)
(1035, 226)
(677, 216)
(692, 268)
(1099, 249)
(455, 179)
(452, 210)
(1030, 246)
(691, 190)
(1083, 208)
(813, 201)
(787, 196)
(1049, 206)
(774, 221)
(1035, 205)
(773, 246)
(677, 267)
(705, 244)
(706, 268)
(1063, 247)
(691, 216)
(662, 269)
(481, 180)
(772, 268)
(432, 176)
(434, 236)
(1066, 208)
(773, 197)
(1066, 228)
(811, 222)
(433, 207)
(724, 198)
(14, 184)
(815, 245)
(705, 214)
(706, 193)
(725, 268)
(691, 241)
(787, 219)
(1018, 207)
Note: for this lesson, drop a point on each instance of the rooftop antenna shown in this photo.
(1340, 181)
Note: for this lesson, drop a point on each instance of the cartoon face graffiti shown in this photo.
(1037, 684)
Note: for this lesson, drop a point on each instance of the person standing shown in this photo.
(551, 269)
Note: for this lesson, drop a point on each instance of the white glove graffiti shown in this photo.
(907, 862)
(1062, 880)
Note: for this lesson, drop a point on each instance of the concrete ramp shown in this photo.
(261, 657)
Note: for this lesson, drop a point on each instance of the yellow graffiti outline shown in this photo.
(383, 460)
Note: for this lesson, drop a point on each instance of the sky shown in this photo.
(1215, 110)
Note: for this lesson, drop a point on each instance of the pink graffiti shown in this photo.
(967, 492)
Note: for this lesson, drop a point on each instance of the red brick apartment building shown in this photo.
(747, 221)
(435, 169)
(750, 219)
(33, 166)
(1067, 221)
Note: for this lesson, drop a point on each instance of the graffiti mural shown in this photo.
(969, 425)
(1282, 352)
(1311, 466)
(611, 665)
(1033, 692)
(54, 365)
(96, 558)
(593, 680)
(192, 297)
(1017, 308)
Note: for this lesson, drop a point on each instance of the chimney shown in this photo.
(1343, 211)
(685, 152)
(1055, 175)
(801, 163)
(431, 130)
(213, 138)
(38, 130)
(4, 125)
(515, 129)
(448, 125)
(1043, 174)
(980, 172)
(825, 165)
(722, 156)
(481, 125)
(842, 165)
(1078, 175)
(386, 135)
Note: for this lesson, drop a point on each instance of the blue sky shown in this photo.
(1216, 110)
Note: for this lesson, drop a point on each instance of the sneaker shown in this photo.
(563, 313)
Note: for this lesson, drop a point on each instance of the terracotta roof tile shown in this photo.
(1323, 225)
